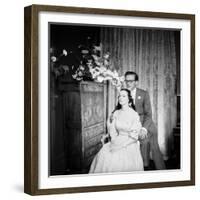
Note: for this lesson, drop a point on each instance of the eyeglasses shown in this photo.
(129, 81)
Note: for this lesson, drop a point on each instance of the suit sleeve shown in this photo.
(147, 112)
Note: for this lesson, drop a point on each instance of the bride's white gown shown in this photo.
(122, 154)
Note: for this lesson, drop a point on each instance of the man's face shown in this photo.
(130, 82)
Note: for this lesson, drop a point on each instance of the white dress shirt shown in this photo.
(133, 94)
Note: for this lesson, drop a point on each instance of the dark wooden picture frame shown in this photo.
(31, 108)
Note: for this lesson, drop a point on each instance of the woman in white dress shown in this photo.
(122, 153)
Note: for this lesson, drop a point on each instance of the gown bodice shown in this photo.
(125, 129)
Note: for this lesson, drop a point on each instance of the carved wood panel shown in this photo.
(85, 119)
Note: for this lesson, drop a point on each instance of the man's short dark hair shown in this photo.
(132, 73)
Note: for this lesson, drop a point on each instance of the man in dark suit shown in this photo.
(148, 135)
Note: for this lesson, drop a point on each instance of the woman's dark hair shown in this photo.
(130, 101)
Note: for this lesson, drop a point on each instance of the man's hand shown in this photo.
(142, 134)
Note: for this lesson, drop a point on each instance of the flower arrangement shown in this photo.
(93, 65)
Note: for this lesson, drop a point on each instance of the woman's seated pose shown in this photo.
(122, 152)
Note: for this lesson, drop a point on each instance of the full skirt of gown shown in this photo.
(114, 157)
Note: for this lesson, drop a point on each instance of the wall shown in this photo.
(11, 101)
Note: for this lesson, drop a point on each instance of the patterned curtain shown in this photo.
(151, 54)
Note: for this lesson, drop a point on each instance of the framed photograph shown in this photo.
(109, 99)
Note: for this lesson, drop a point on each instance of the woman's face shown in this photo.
(123, 98)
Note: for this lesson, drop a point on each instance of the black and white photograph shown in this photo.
(100, 99)
(114, 99)
(111, 95)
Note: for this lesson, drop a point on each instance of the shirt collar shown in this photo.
(133, 93)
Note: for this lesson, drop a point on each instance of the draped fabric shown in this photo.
(151, 54)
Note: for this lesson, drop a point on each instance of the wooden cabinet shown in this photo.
(84, 106)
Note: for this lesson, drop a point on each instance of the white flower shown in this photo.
(74, 76)
(89, 65)
(80, 73)
(79, 78)
(121, 78)
(98, 48)
(82, 67)
(115, 73)
(53, 58)
(106, 55)
(97, 69)
(94, 73)
(100, 79)
(102, 69)
(95, 57)
(107, 78)
(64, 52)
(108, 73)
(106, 62)
(97, 63)
(84, 51)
